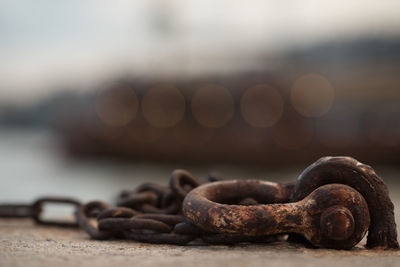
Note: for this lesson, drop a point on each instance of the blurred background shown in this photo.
(97, 96)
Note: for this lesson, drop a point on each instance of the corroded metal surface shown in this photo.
(346, 170)
(35, 211)
(341, 227)
(181, 182)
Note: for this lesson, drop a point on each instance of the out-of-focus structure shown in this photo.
(203, 93)
(291, 115)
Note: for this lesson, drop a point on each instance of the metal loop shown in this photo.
(165, 218)
(135, 200)
(37, 207)
(120, 212)
(17, 211)
(349, 171)
(173, 208)
(122, 224)
(155, 188)
(90, 210)
(179, 179)
(332, 216)
(186, 228)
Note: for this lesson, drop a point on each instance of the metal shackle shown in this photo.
(332, 216)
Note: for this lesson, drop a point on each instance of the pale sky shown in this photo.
(78, 42)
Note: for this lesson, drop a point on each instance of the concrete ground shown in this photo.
(24, 244)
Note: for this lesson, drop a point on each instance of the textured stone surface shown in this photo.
(24, 244)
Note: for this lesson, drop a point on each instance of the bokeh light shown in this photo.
(117, 107)
(261, 106)
(312, 95)
(212, 106)
(163, 106)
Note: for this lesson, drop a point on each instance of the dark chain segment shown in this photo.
(35, 211)
(334, 202)
(150, 213)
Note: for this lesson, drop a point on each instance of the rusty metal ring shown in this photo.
(119, 212)
(160, 190)
(18, 211)
(169, 219)
(179, 179)
(37, 206)
(137, 199)
(186, 228)
(173, 208)
(123, 224)
(312, 217)
(85, 212)
(346, 170)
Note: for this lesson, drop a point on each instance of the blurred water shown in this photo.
(32, 165)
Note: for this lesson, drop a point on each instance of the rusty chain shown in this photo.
(333, 204)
